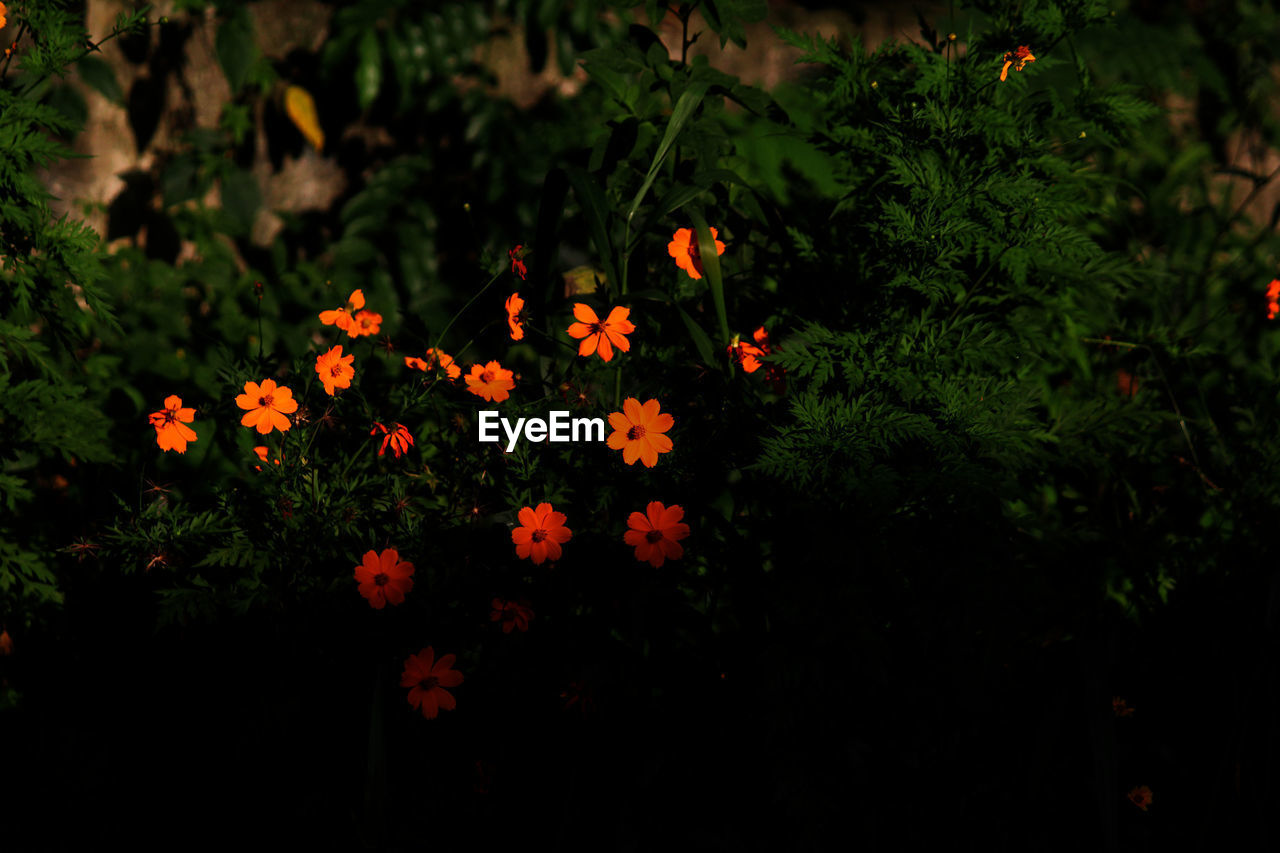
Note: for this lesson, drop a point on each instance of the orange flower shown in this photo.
(426, 679)
(1121, 707)
(655, 533)
(399, 438)
(512, 615)
(4, 20)
(638, 432)
(1126, 383)
(6, 642)
(1141, 797)
(597, 336)
(684, 248)
(341, 317)
(1021, 55)
(542, 533)
(364, 323)
(384, 578)
(515, 305)
(262, 454)
(747, 355)
(429, 361)
(172, 433)
(517, 261)
(267, 405)
(490, 382)
(335, 370)
(1273, 298)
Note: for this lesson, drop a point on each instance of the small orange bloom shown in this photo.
(1141, 797)
(490, 381)
(384, 578)
(429, 361)
(4, 20)
(541, 534)
(426, 679)
(1126, 383)
(341, 317)
(601, 337)
(747, 355)
(1021, 56)
(655, 533)
(638, 432)
(515, 305)
(6, 642)
(262, 454)
(267, 404)
(1121, 707)
(335, 370)
(364, 323)
(172, 433)
(512, 615)
(517, 261)
(399, 438)
(684, 248)
(1273, 298)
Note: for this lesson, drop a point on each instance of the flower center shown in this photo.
(635, 433)
(336, 370)
(487, 376)
(539, 535)
(264, 401)
(653, 536)
(596, 328)
(429, 682)
(381, 579)
(170, 416)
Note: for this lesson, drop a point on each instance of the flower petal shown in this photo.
(583, 313)
(632, 409)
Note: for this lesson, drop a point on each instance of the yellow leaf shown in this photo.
(301, 108)
(581, 280)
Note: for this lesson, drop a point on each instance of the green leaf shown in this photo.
(711, 269)
(97, 75)
(369, 69)
(685, 106)
(236, 49)
(700, 339)
(594, 207)
(241, 197)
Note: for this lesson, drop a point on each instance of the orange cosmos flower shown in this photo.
(541, 534)
(515, 305)
(1141, 797)
(399, 438)
(512, 615)
(267, 405)
(426, 679)
(1021, 56)
(600, 337)
(364, 323)
(6, 642)
(638, 432)
(1121, 707)
(429, 361)
(745, 354)
(490, 382)
(172, 433)
(335, 370)
(1273, 298)
(341, 317)
(4, 20)
(384, 578)
(517, 261)
(684, 248)
(262, 454)
(655, 534)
